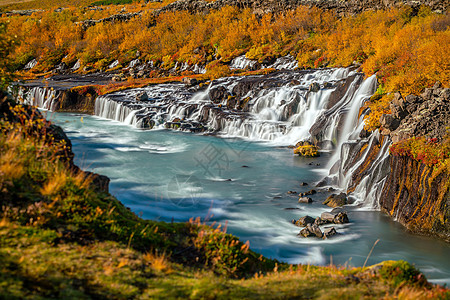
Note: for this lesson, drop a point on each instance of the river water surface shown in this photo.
(170, 175)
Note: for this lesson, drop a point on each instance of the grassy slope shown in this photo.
(62, 237)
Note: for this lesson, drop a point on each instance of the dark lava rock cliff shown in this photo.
(415, 194)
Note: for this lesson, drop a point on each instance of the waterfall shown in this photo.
(241, 62)
(281, 108)
(351, 103)
(42, 97)
(350, 146)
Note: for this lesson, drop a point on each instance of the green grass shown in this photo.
(62, 237)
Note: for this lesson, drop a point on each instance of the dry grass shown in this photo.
(159, 262)
(55, 183)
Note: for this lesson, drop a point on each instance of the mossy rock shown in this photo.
(307, 151)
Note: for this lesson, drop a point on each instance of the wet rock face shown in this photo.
(418, 201)
(218, 94)
(425, 115)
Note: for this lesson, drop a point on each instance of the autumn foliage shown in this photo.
(427, 151)
(406, 49)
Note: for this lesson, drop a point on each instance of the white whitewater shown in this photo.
(241, 62)
(42, 97)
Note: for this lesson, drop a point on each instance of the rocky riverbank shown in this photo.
(416, 193)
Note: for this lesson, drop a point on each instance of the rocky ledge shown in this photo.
(272, 6)
(415, 194)
(412, 116)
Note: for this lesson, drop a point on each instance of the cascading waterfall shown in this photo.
(281, 108)
(42, 97)
(350, 144)
(281, 114)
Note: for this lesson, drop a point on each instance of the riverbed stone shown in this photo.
(329, 232)
(319, 221)
(310, 192)
(313, 228)
(303, 221)
(305, 233)
(336, 218)
(305, 200)
(341, 218)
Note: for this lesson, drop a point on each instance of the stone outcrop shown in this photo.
(414, 194)
(111, 19)
(272, 6)
(417, 198)
(413, 116)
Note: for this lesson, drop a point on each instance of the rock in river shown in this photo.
(336, 200)
(303, 221)
(305, 200)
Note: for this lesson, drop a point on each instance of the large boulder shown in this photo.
(314, 87)
(189, 81)
(329, 232)
(311, 230)
(303, 221)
